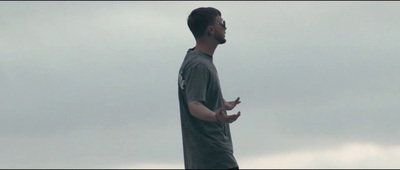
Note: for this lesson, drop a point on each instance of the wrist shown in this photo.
(216, 117)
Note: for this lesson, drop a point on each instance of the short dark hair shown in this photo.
(200, 18)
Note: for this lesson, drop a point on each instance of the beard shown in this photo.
(220, 38)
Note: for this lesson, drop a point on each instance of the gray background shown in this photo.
(94, 84)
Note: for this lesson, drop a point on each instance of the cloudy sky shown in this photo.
(94, 84)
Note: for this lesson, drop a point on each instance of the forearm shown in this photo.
(200, 111)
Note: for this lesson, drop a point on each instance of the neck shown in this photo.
(205, 46)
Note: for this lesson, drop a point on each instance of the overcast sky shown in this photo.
(94, 84)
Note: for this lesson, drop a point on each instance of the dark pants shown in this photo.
(235, 168)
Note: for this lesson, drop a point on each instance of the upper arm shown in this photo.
(195, 102)
(196, 84)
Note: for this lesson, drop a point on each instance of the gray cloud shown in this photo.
(93, 84)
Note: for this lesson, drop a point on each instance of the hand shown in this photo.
(230, 105)
(224, 118)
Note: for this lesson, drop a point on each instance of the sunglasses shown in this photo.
(223, 24)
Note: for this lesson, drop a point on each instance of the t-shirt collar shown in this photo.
(192, 50)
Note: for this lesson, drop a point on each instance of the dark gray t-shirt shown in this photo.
(206, 144)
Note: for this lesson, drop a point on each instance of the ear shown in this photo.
(210, 30)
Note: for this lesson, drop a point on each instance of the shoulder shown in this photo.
(196, 62)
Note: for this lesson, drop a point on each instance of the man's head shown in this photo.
(207, 22)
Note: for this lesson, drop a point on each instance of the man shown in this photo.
(207, 142)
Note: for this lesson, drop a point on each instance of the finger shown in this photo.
(237, 115)
(237, 100)
(233, 117)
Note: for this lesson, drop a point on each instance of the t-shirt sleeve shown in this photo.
(196, 84)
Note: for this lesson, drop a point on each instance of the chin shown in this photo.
(220, 39)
